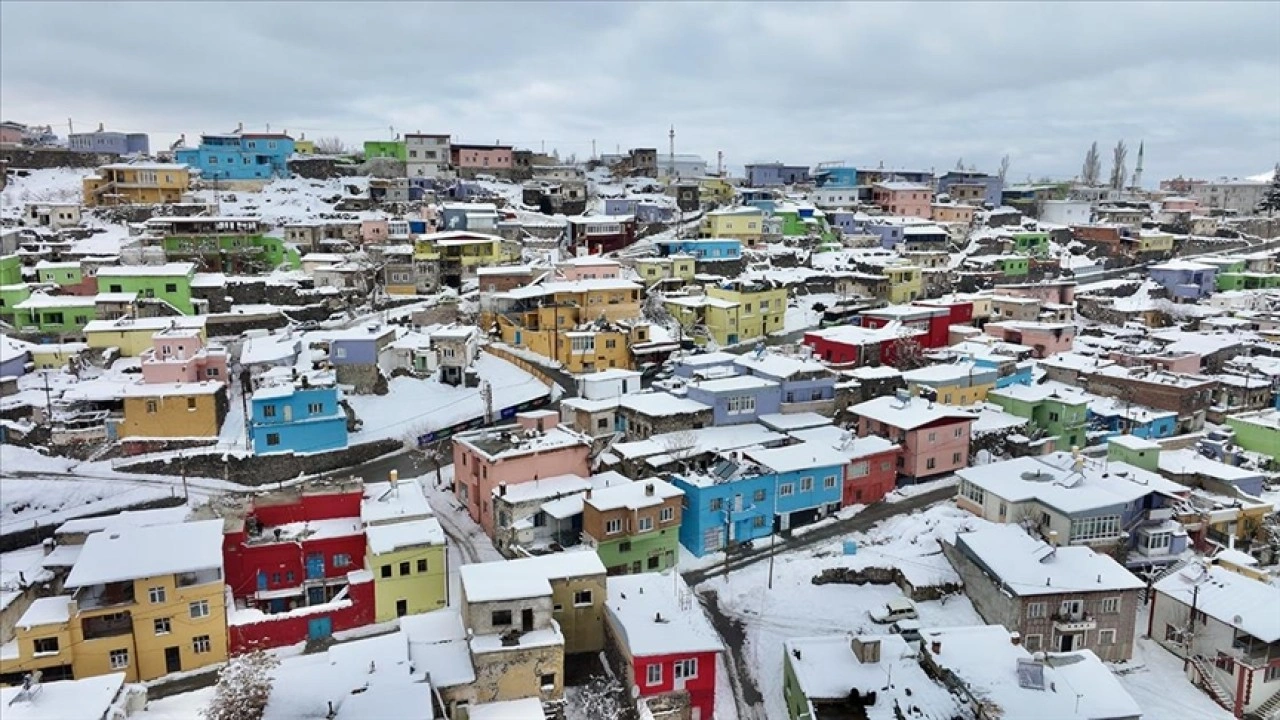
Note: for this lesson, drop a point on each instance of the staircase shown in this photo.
(1269, 710)
(1166, 572)
(1210, 683)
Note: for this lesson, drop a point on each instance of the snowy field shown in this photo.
(1155, 679)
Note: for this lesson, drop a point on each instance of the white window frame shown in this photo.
(156, 595)
(645, 524)
(1107, 637)
(786, 490)
(612, 526)
(860, 469)
(1035, 610)
(164, 622)
(652, 678)
(666, 514)
(201, 644)
(829, 482)
(1109, 605)
(686, 669)
(741, 404)
(198, 609)
(806, 484)
(119, 659)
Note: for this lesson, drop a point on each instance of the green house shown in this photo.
(638, 526)
(1015, 265)
(1138, 452)
(10, 296)
(1063, 418)
(1031, 243)
(170, 282)
(53, 314)
(393, 149)
(1258, 431)
(59, 273)
(10, 269)
(1247, 281)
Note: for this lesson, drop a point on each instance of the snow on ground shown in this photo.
(1155, 679)
(186, 706)
(290, 200)
(800, 313)
(795, 607)
(48, 185)
(416, 406)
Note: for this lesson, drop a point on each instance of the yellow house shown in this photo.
(55, 355)
(1152, 241)
(133, 335)
(673, 267)
(304, 147)
(145, 601)
(716, 189)
(744, 223)
(136, 183)
(468, 249)
(962, 383)
(405, 550)
(153, 410)
(584, 348)
(906, 283)
(732, 314)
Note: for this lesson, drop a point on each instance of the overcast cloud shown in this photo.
(909, 85)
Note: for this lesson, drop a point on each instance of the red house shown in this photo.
(602, 233)
(294, 564)
(666, 642)
(853, 346)
(934, 321)
(872, 470)
(959, 312)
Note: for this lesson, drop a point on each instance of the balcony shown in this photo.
(104, 596)
(104, 626)
(199, 577)
(1073, 622)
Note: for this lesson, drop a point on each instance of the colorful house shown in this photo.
(136, 184)
(161, 612)
(737, 399)
(1258, 431)
(906, 283)
(666, 644)
(179, 355)
(903, 198)
(298, 417)
(806, 385)
(405, 550)
(54, 314)
(702, 248)
(962, 383)
(169, 283)
(1044, 338)
(741, 223)
(393, 149)
(134, 336)
(239, 156)
(177, 410)
(934, 438)
(871, 471)
(732, 313)
(1057, 414)
(634, 527)
(598, 234)
(220, 244)
(68, 276)
(1186, 280)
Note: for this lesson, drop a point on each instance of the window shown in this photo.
(1095, 528)
(315, 408)
(667, 514)
(200, 644)
(1004, 510)
(386, 571)
(46, 646)
(269, 411)
(501, 617)
(162, 625)
(686, 668)
(930, 463)
(581, 598)
(716, 504)
(170, 287)
(646, 524)
(152, 407)
(612, 527)
(933, 437)
(404, 568)
(119, 659)
(1106, 637)
(624, 546)
(829, 482)
(955, 458)
(602, 424)
(1035, 610)
(742, 404)
(273, 439)
(1071, 608)
(758, 496)
(275, 578)
(155, 595)
(191, 403)
(582, 344)
(1271, 674)
(1032, 643)
(758, 521)
(611, 344)
(653, 674)
(1053, 417)
(786, 490)
(548, 680)
(340, 352)
(341, 560)
(1110, 606)
(959, 431)
(199, 609)
(422, 565)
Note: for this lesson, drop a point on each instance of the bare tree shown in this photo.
(681, 445)
(1092, 170)
(331, 146)
(1004, 167)
(244, 686)
(1118, 172)
(436, 453)
(602, 698)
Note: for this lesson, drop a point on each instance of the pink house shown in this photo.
(1062, 292)
(374, 231)
(1179, 204)
(1044, 338)
(486, 462)
(10, 134)
(483, 157)
(178, 355)
(934, 437)
(903, 198)
(589, 267)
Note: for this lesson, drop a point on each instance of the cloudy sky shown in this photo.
(909, 85)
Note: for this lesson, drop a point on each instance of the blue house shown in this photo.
(620, 206)
(1114, 418)
(354, 354)
(836, 177)
(298, 418)
(702, 248)
(1011, 370)
(239, 156)
(992, 186)
(756, 197)
(737, 399)
(844, 220)
(1185, 279)
(774, 174)
(750, 494)
(806, 385)
(652, 212)
(703, 364)
(15, 357)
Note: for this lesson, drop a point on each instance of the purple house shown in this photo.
(621, 206)
(774, 174)
(1185, 279)
(845, 220)
(705, 364)
(651, 212)
(737, 399)
(117, 143)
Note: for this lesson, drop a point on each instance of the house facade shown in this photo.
(136, 184)
(177, 410)
(634, 527)
(934, 438)
(405, 550)
(299, 417)
(239, 156)
(179, 355)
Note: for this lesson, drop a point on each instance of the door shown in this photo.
(315, 596)
(319, 628)
(402, 608)
(315, 566)
(1067, 643)
(262, 580)
(172, 659)
(526, 619)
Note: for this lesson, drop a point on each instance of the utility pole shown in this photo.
(186, 493)
(671, 151)
(48, 401)
(70, 129)
(593, 148)
(719, 163)
(1191, 626)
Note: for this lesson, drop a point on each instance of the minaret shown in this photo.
(1137, 171)
(671, 152)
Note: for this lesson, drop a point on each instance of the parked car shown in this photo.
(899, 608)
(908, 629)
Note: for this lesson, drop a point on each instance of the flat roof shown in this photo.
(527, 577)
(129, 553)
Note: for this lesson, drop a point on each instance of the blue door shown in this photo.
(319, 628)
(315, 566)
(315, 596)
(262, 580)
(732, 340)
(278, 606)
(519, 338)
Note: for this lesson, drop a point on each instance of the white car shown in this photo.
(899, 608)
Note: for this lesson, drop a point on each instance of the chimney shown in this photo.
(648, 490)
(502, 489)
(1015, 637)
(867, 651)
(393, 477)
(935, 647)
(47, 545)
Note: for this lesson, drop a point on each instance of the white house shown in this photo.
(607, 384)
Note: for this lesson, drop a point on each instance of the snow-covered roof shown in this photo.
(1037, 393)
(526, 577)
(908, 415)
(1180, 462)
(827, 669)
(857, 335)
(800, 456)
(115, 297)
(1228, 597)
(1028, 566)
(398, 535)
(89, 698)
(149, 390)
(47, 611)
(655, 404)
(1052, 480)
(384, 504)
(1133, 442)
(523, 709)
(511, 441)
(40, 301)
(1077, 685)
(633, 496)
(568, 286)
(12, 348)
(542, 488)
(438, 646)
(778, 365)
(735, 383)
(845, 442)
(130, 553)
(128, 324)
(126, 519)
(789, 422)
(723, 437)
(166, 270)
(656, 614)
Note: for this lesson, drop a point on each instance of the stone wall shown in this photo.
(321, 167)
(266, 469)
(885, 576)
(257, 291)
(225, 325)
(41, 158)
(143, 213)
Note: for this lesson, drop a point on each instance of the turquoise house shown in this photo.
(297, 417)
(239, 156)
